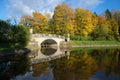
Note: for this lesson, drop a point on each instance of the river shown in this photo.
(62, 64)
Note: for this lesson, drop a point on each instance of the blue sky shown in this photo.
(14, 9)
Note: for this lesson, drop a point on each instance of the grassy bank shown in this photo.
(4, 46)
(95, 43)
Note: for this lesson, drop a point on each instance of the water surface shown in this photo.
(75, 64)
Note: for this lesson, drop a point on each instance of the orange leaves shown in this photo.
(39, 22)
(38, 16)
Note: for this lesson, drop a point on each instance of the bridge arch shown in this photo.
(49, 42)
(40, 40)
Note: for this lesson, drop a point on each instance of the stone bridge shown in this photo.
(38, 39)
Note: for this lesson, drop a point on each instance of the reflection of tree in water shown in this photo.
(84, 65)
(107, 60)
(39, 69)
(77, 67)
(19, 65)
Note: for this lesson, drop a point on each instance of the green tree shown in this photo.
(108, 14)
(113, 29)
(100, 32)
(21, 34)
(116, 15)
(112, 26)
(13, 33)
(52, 26)
(5, 31)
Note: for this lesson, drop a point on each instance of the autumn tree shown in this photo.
(84, 22)
(63, 19)
(38, 22)
(25, 20)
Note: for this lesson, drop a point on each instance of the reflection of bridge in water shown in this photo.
(38, 56)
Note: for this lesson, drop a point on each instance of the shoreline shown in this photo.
(72, 44)
(14, 52)
(90, 46)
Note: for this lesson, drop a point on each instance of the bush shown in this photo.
(15, 34)
(78, 37)
(21, 34)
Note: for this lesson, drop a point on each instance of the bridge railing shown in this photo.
(48, 35)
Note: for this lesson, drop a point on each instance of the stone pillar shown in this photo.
(68, 38)
(58, 44)
(31, 30)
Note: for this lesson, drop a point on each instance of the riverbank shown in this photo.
(14, 52)
(5, 47)
(12, 49)
(95, 43)
(17, 49)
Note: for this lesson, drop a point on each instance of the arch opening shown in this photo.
(49, 43)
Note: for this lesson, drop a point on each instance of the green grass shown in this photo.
(95, 42)
(4, 46)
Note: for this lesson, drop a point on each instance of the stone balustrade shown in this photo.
(48, 35)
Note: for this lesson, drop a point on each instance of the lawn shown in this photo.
(95, 42)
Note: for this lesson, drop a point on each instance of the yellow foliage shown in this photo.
(84, 21)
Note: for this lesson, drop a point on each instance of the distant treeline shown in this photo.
(81, 24)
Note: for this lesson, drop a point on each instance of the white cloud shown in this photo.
(93, 2)
(19, 8)
(89, 4)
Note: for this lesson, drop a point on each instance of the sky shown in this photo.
(14, 9)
